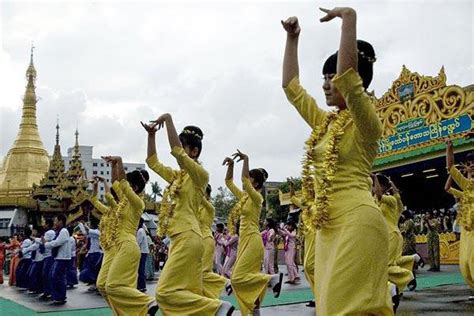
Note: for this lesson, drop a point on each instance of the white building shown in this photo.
(97, 166)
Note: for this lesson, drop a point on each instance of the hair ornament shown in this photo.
(367, 58)
(187, 131)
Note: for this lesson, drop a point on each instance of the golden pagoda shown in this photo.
(27, 160)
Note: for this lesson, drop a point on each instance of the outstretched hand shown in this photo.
(239, 156)
(160, 121)
(228, 162)
(150, 128)
(291, 26)
(111, 159)
(339, 12)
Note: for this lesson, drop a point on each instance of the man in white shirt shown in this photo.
(48, 260)
(25, 262)
(71, 274)
(61, 250)
(93, 260)
(144, 250)
(35, 277)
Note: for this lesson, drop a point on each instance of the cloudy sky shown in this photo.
(105, 66)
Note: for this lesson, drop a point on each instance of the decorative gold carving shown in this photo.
(430, 99)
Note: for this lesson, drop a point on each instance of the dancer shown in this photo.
(352, 236)
(409, 234)
(179, 290)
(248, 283)
(48, 259)
(61, 252)
(400, 267)
(219, 252)
(108, 226)
(25, 262)
(231, 246)
(2, 258)
(93, 259)
(35, 279)
(213, 283)
(289, 234)
(121, 283)
(309, 234)
(465, 214)
(268, 236)
(71, 274)
(433, 227)
(14, 248)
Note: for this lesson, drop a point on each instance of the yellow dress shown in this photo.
(121, 283)
(399, 267)
(309, 248)
(213, 283)
(351, 256)
(109, 252)
(248, 282)
(180, 286)
(466, 216)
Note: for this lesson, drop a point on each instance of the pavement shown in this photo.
(438, 293)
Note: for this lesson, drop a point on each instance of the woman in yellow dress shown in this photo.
(351, 256)
(309, 234)
(400, 269)
(180, 286)
(108, 218)
(465, 215)
(121, 282)
(213, 283)
(248, 283)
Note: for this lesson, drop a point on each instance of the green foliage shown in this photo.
(156, 190)
(275, 210)
(223, 201)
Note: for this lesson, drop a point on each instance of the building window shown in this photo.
(94, 172)
(126, 168)
(94, 164)
(101, 172)
(101, 164)
(102, 188)
(108, 172)
(107, 165)
(108, 180)
(4, 222)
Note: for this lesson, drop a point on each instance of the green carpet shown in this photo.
(287, 297)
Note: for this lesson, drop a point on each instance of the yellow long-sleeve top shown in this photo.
(206, 218)
(130, 214)
(110, 218)
(389, 207)
(250, 213)
(399, 203)
(357, 147)
(466, 197)
(191, 194)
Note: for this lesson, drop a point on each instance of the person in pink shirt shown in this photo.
(268, 236)
(231, 253)
(220, 249)
(289, 234)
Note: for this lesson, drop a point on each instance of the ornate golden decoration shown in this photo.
(430, 99)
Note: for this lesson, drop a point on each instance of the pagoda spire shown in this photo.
(75, 165)
(27, 160)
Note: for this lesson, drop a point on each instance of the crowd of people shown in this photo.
(356, 257)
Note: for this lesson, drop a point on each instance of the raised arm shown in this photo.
(173, 138)
(394, 188)
(118, 173)
(377, 188)
(229, 178)
(296, 94)
(347, 54)
(449, 154)
(254, 195)
(290, 60)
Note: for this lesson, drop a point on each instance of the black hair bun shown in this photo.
(366, 52)
(145, 174)
(193, 130)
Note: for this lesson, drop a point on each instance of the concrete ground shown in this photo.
(442, 293)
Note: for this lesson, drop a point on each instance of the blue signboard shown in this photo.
(425, 134)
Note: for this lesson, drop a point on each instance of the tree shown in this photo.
(223, 201)
(156, 190)
(275, 210)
